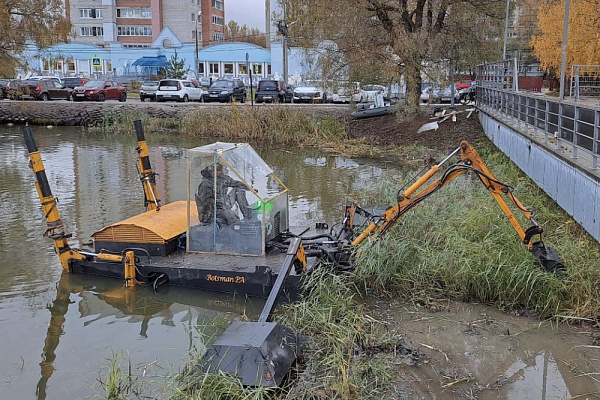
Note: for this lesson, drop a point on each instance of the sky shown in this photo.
(249, 12)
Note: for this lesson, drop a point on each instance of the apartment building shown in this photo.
(137, 23)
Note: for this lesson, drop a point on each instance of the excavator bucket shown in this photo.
(548, 258)
(258, 353)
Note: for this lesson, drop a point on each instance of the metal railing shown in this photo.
(540, 116)
(585, 81)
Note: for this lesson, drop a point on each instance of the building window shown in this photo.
(217, 20)
(136, 46)
(213, 68)
(201, 68)
(257, 69)
(228, 68)
(218, 36)
(193, 17)
(91, 31)
(70, 66)
(90, 13)
(218, 5)
(134, 30)
(242, 69)
(134, 12)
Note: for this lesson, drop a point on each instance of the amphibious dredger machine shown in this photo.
(247, 246)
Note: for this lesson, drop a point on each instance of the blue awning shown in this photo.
(159, 61)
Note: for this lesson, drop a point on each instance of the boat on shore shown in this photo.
(376, 109)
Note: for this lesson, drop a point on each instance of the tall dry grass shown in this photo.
(459, 244)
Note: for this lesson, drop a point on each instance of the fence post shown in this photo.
(596, 140)
(577, 83)
(575, 135)
(546, 122)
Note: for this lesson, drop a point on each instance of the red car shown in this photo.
(464, 84)
(100, 90)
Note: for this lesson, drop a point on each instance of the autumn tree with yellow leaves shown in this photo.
(39, 22)
(583, 44)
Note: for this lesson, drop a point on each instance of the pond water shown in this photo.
(58, 332)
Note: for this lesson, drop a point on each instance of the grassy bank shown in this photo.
(281, 126)
(460, 245)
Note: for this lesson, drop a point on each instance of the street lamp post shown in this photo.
(198, 17)
(506, 29)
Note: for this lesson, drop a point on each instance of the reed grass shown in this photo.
(280, 126)
(459, 244)
(119, 382)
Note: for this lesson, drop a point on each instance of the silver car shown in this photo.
(435, 94)
(148, 90)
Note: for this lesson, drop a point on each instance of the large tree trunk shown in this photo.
(412, 75)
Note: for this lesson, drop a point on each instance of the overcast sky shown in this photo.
(249, 12)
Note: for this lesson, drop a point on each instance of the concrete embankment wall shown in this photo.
(81, 113)
(572, 187)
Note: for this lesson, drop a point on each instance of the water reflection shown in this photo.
(106, 301)
(540, 380)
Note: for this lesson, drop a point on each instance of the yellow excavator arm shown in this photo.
(470, 161)
(147, 175)
(55, 228)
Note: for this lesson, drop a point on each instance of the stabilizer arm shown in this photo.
(147, 175)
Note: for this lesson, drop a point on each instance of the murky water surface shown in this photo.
(479, 352)
(58, 332)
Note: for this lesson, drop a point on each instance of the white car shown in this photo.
(308, 94)
(178, 90)
(346, 92)
(370, 92)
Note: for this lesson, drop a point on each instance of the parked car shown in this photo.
(73, 82)
(226, 90)
(369, 92)
(345, 92)
(3, 91)
(435, 94)
(148, 90)
(273, 91)
(464, 84)
(309, 94)
(100, 90)
(11, 89)
(38, 77)
(178, 90)
(44, 89)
